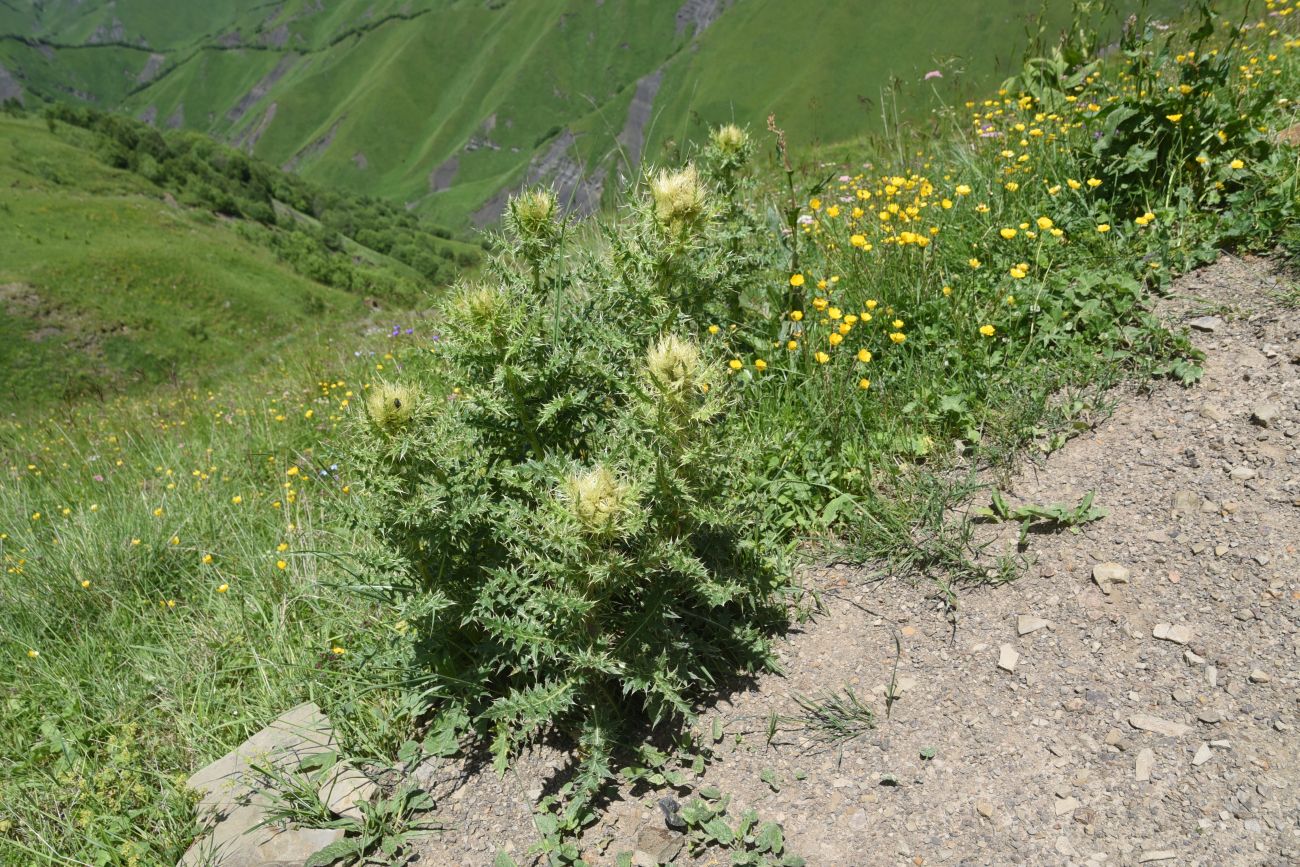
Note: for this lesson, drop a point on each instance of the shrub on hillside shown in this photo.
(556, 497)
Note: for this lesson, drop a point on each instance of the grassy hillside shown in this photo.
(107, 280)
(443, 104)
(530, 524)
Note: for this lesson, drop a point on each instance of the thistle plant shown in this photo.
(681, 204)
(560, 523)
(533, 219)
(391, 405)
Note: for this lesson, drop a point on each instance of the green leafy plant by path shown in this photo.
(1031, 516)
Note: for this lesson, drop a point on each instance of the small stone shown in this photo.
(1265, 414)
(1027, 623)
(1210, 716)
(1203, 755)
(1214, 413)
(1114, 738)
(984, 808)
(1220, 550)
(1212, 675)
(1007, 658)
(1259, 676)
(1186, 502)
(1107, 574)
(1181, 696)
(1142, 768)
(1174, 633)
(1157, 855)
(1242, 474)
(1148, 723)
(1192, 659)
(1208, 324)
(657, 845)
(1065, 806)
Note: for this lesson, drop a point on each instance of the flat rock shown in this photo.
(1214, 412)
(1170, 632)
(1186, 502)
(293, 847)
(1259, 676)
(1148, 723)
(291, 738)
(1242, 474)
(984, 808)
(345, 789)
(1146, 758)
(1203, 755)
(1007, 658)
(1065, 806)
(1208, 324)
(656, 845)
(1108, 574)
(1027, 623)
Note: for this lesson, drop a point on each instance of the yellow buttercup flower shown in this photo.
(897, 337)
(1007, 233)
(792, 345)
(1236, 164)
(864, 355)
(822, 357)
(836, 338)
(713, 329)
(760, 365)
(987, 330)
(864, 383)
(796, 315)
(796, 280)
(735, 364)
(1103, 227)
(1173, 118)
(1045, 223)
(963, 190)
(974, 263)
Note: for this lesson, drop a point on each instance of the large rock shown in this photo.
(345, 789)
(233, 805)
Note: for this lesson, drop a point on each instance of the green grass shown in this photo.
(108, 286)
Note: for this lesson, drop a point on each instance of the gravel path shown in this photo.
(1150, 721)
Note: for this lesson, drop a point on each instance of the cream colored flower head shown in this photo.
(390, 405)
(680, 199)
(597, 498)
(730, 139)
(673, 365)
(533, 218)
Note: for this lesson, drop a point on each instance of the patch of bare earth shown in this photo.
(1154, 723)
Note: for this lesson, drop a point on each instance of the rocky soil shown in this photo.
(1131, 699)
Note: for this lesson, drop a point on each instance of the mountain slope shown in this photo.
(107, 281)
(446, 105)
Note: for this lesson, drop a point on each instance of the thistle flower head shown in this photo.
(730, 139)
(597, 499)
(533, 218)
(673, 365)
(390, 405)
(680, 200)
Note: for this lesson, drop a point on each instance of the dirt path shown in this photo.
(1053, 761)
